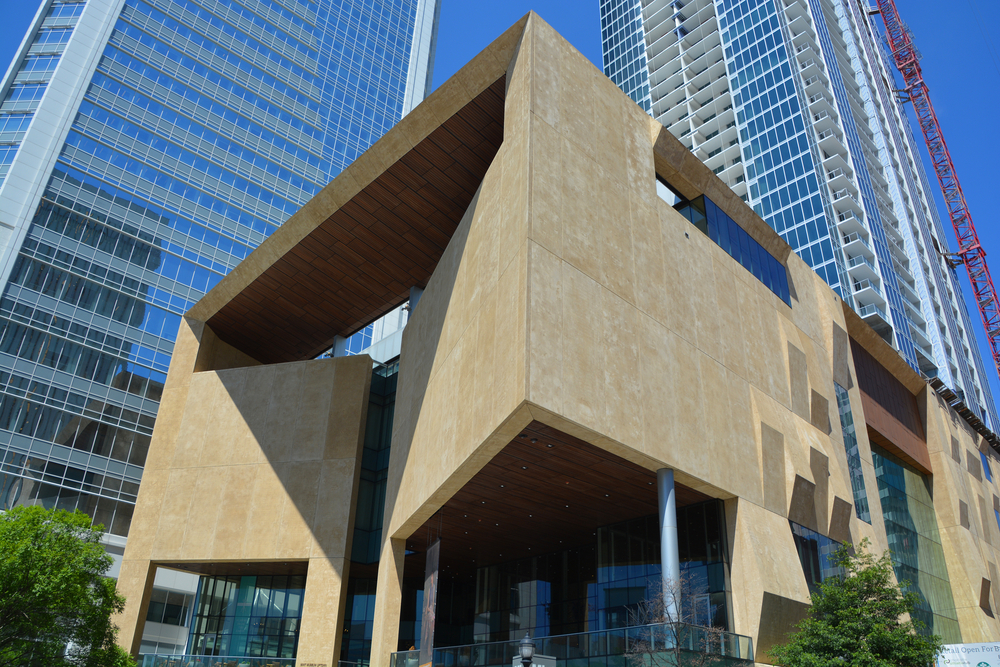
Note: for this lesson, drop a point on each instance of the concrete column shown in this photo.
(669, 554)
(135, 582)
(388, 601)
(324, 604)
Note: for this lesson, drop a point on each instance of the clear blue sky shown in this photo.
(961, 64)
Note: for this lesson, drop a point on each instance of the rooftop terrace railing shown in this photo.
(596, 648)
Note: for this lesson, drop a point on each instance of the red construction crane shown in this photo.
(969, 251)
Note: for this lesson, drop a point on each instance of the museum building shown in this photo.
(613, 371)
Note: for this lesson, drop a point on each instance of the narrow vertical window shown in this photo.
(853, 457)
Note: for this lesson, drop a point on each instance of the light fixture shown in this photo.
(527, 650)
(549, 446)
(534, 440)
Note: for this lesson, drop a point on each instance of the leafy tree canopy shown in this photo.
(858, 619)
(55, 602)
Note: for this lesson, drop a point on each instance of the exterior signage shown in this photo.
(970, 655)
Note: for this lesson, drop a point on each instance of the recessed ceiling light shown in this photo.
(501, 486)
(534, 440)
(549, 446)
(524, 467)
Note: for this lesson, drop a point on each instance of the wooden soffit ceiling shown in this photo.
(361, 261)
(544, 492)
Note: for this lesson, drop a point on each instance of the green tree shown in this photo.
(858, 619)
(55, 602)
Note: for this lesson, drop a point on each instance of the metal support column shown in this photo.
(669, 554)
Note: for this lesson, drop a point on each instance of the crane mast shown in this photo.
(970, 252)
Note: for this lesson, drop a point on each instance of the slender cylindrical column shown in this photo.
(669, 555)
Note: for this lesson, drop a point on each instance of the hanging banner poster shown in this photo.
(970, 655)
(430, 604)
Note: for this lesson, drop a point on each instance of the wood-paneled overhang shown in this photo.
(361, 261)
(544, 492)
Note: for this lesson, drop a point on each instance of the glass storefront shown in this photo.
(254, 616)
(595, 586)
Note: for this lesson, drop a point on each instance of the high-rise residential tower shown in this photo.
(146, 147)
(791, 104)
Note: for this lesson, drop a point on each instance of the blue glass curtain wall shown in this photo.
(900, 322)
(723, 230)
(624, 48)
(780, 168)
(206, 124)
(853, 455)
(917, 554)
(32, 77)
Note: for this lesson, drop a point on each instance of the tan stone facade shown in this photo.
(569, 297)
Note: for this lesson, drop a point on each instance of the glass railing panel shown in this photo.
(600, 648)
(175, 660)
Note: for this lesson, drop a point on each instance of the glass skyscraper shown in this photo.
(790, 103)
(146, 147)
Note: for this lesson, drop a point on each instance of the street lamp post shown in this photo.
(527, 650)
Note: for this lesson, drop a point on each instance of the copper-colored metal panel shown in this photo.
(891, 411)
